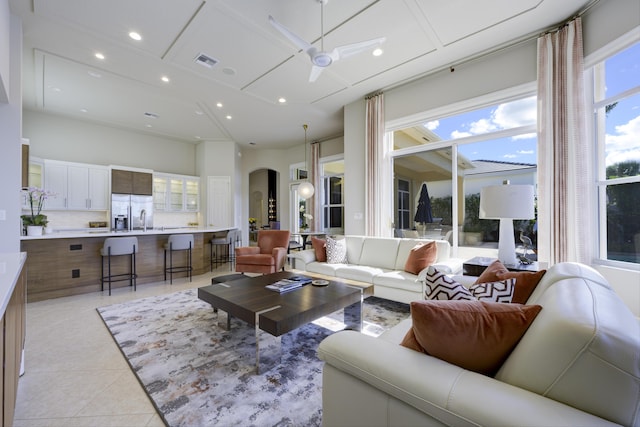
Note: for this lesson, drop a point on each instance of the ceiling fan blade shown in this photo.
(298, 41)
(348, 50)
(315, 73)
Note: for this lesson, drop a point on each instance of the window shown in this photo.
(403, 221)
(457, 155)
(616, 111)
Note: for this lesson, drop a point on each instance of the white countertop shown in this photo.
(10, 266)
(103, 232)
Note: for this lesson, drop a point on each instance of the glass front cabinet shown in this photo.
(176, 193)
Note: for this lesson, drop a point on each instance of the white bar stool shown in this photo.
(178, 242)
(220, 242)
(116, 246)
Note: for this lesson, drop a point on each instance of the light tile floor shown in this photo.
(75, 375)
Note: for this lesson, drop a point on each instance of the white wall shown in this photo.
(5, 50)
(63, 138)
(354, 168)
(10, 136)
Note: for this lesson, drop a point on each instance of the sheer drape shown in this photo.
(316, 202)
(564, 175)
(374, 164)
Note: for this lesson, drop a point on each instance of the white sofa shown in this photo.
(380, 261)
(578, 364)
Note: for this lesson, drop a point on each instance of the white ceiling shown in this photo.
(257, 65)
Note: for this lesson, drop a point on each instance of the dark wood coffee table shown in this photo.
(277, 313)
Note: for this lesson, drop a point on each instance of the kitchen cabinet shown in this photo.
(131, 182)
(77, 186)
(176, 193)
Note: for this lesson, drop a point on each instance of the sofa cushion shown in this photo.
(400, 280)
(405, 246)
(379, 252)
(475, 335)
(336, 251)
(526, 281)
(320, 248)
(439, 286)
(323, 268)
(361, 273)
(420, 257)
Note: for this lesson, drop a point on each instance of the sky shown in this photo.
(622, 72)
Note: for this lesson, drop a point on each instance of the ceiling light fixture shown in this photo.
(229, 117)
(165, 79)
(282, 100)
(377, 52)
(219, 105)
(99, 55)
(135, 36)
(305, 189)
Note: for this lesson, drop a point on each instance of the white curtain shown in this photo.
(316, 200)
(374, 165)
(565, 192)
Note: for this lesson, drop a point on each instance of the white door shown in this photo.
(219, 202)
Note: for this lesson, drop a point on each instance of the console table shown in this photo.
(476, 265)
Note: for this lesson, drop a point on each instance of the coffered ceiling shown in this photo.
(256, 65)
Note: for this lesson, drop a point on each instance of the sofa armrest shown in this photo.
(447, 393)
(247, 250)
(305, 256)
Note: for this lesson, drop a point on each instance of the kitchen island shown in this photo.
(69, 263)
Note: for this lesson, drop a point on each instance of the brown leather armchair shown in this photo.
(268, 257)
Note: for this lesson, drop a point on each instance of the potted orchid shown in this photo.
(35, 221)
(304, 217)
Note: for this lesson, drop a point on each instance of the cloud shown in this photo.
(458, 134)
(509, 115)
(525, 152)
(624, 145)
(510, 156)
(432, 125)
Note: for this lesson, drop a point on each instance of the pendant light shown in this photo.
(305, 189)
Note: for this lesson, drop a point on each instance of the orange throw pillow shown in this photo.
(320, 246)
(475, 335)
(421, 256)
(526, 281)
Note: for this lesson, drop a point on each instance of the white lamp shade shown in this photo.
(507, 201)
(306, 190)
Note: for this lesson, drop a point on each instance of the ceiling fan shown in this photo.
(320, 59)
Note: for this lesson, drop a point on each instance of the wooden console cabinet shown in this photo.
(12, 338)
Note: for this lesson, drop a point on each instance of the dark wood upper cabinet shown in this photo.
(131, 182)
(25, 165)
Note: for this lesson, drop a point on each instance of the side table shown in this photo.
(476, 265)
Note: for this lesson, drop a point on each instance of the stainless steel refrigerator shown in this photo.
(131, 212)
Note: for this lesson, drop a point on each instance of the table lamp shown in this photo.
(506, 203)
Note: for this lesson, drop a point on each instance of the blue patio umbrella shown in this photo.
(423, 211)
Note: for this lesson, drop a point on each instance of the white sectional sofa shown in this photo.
(380, 261)
(578, 364)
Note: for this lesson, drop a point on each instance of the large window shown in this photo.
(453, 157)
(333, 196)
(616, 109)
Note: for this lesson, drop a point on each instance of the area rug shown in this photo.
(198, 374)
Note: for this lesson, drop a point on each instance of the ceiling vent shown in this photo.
(205, 60)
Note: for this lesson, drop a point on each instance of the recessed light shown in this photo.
(282, 100)
(165, 79)
(99, 55)
(377, 52)
(229, 117)
(229, 71)
(219, 105)
(135, 36)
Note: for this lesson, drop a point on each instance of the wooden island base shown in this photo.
(62, 267)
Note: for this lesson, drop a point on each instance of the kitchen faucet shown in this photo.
(143, 219)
